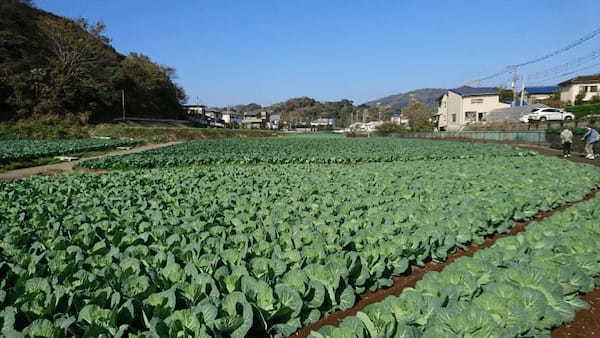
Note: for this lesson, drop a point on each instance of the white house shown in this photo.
(233, 119)
(588, 85)
(398, 119)
(323, 123)
(193, 110)
(465, 105)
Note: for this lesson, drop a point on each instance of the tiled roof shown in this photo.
(542, 90)
(582, 79)
(474, 91)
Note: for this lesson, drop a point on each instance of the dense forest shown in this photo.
(53, 66)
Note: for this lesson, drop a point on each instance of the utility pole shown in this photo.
(523, 91)
(123, 102)
(514, 85)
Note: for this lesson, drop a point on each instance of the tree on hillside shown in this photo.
(149, 88)
(55, 66)
(418, 116)
(79, 72)
(242, 108)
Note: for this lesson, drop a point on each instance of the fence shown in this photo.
(515, 136)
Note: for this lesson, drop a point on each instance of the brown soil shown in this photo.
(69, 167)
(586, 323)
(410, 279)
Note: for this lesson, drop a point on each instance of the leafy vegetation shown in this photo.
(19, 150)
(584, 109)
(523, 286)
(222, 250)
(326, 149)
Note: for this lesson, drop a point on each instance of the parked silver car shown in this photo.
(549, 114)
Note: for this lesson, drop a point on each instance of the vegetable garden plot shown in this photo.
(18, 150)
(219, 251)
(308, 149)
(523, 286)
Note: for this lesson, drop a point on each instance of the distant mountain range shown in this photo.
(428, 96)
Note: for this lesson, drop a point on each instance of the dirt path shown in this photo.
(69, 167)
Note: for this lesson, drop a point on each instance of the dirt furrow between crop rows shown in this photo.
(587, 321)
(410, 278)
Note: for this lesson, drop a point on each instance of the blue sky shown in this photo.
(266, 51)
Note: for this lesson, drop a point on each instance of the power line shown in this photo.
(570, 73)
(594, 56)
(561, 50)
(513, 68)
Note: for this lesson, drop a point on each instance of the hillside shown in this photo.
(50, 65)
(428, 96)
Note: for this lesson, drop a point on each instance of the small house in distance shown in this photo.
(586, 85)
(193, 110)
(233, 119)
(534, 94)
(323, 123)
(256, 119)
(465, 105)
(274, 122)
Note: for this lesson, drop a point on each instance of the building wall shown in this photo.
(454, 115)
(457, 111)
(569, 92)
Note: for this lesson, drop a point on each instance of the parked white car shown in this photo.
(548, 114)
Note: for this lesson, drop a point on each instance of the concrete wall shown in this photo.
(516, 136)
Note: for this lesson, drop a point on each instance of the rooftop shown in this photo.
(474, 91)
(542, 90)
(582, 79)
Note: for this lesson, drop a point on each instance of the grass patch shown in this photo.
(584, 109)
(170, 134)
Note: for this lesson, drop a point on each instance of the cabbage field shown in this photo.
(263, 250)
(19, 150)
(523, 286)
(284, 150)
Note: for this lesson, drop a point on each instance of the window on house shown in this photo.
(594, 89)
(583, 89)
(471, 116)
(481, 117)
(476, 101)
(453, 117)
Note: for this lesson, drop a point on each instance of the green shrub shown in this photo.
(389, 128)
(47, 127)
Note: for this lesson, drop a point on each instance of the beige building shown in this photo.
(588, 85)
(535, 94)
(465, 105)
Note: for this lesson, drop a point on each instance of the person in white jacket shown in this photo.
(566, 138)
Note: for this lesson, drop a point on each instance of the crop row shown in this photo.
(285, 150)
(18, 150)
(224, 250)
(523, 286)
